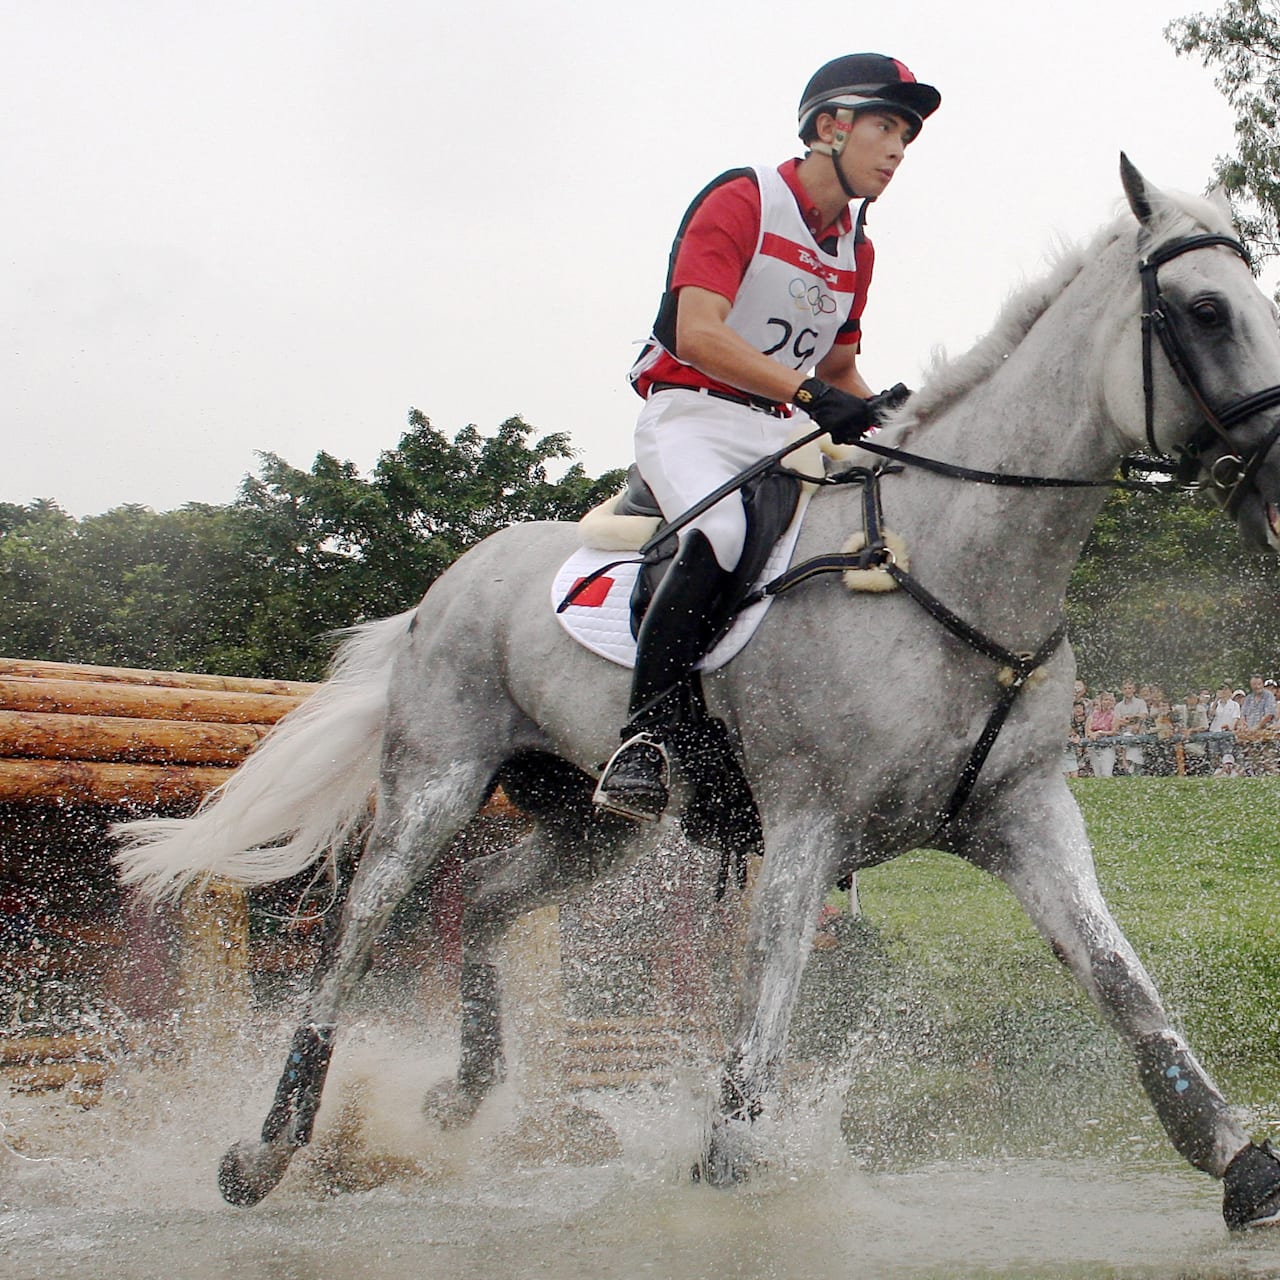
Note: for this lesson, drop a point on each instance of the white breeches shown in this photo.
(687, 444)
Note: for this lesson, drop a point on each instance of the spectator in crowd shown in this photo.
(1222, 719)
(1192, 720)
(1257, 718)
(1131, 716)
(1258, 710)
(1076, 761)
(1081, 695)
(1226, 711)
(1101, 723)
(1162, 755)
(1227, 769)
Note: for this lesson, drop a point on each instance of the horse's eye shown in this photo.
(1206, 313)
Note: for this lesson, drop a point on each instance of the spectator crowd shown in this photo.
(1230, 733)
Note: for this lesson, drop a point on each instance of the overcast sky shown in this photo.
(276, 226)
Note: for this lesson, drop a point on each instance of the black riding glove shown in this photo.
(845, 418)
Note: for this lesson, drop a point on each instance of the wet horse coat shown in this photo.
(476, 687)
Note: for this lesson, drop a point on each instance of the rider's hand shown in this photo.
(844, 417)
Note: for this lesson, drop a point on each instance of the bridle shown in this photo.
(1231, 471)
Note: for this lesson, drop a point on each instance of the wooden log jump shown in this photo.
(83, 697)
(140, 676)
(89, 782)
(72, 734)
(35, 735)
(146, 741)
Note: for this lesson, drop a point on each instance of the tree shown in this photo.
(343, 548)
(1165, 592)
(256, 588)
(132, 586)
(1242, 40)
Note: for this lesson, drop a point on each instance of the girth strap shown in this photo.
(1026, 664)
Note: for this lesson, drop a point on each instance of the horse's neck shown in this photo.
(1003, 556)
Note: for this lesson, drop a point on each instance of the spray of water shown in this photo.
(126, 1188)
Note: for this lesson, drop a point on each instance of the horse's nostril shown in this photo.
(1273, 519)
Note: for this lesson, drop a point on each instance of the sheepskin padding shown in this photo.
(602, 529)
(875, 579)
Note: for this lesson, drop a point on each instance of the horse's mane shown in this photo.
(1178, 214)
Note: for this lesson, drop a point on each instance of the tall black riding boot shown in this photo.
(676, 630)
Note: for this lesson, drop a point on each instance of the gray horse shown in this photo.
(479, 686)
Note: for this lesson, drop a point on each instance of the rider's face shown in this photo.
(873, 151)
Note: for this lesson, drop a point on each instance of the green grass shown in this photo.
(964, 1033)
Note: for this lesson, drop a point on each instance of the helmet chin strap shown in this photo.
(843, 118)
(841, 179)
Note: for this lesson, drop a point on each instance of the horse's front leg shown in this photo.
(798, 866)
(1047, 862)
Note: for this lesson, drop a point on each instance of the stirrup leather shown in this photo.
(634, 782)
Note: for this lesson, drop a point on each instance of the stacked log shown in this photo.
(75, 734)
(614, 1053)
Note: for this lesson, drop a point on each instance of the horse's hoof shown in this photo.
(732, 1155)
(251, 1169)
(1251, 1188)
(449, 1105)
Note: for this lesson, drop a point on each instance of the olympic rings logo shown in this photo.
(811, 296)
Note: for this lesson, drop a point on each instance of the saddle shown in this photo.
(770, 501)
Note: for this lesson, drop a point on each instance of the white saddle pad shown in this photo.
(600, 618)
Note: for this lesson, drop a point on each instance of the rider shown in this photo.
(767, 282)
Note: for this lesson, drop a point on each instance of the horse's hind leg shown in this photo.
(1053, 877)
(572, 843)
(411, 831)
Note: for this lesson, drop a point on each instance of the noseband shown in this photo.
(1232, 471)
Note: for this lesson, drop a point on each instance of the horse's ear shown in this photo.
(1135, 188)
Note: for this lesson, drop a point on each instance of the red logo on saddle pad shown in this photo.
(592, 596)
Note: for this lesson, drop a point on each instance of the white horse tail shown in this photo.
(297, 797)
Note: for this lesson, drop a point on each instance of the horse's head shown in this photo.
(1208, 356)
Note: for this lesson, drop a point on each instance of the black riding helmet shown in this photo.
(861, 82)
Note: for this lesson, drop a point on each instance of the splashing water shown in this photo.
(127, 1189)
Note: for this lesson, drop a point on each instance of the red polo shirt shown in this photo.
(718, 246)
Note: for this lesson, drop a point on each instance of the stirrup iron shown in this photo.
(644, 797)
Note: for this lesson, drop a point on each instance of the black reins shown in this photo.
(1232, 471)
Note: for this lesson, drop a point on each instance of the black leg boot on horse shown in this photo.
(677, 627)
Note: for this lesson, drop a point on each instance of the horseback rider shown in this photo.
(767, 281)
